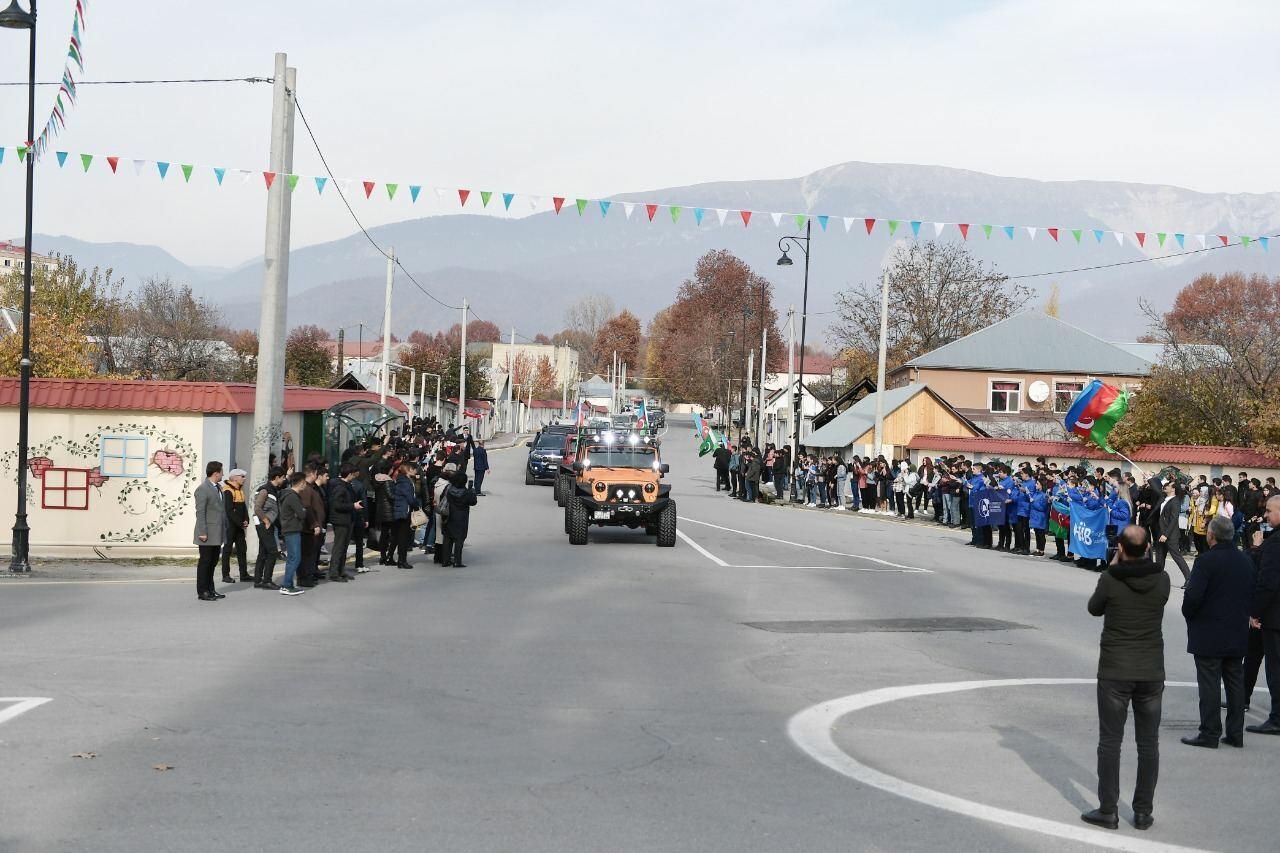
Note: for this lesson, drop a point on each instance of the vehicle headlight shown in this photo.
(631, 494)
(619, 494)
(650, 488)
(599, 487)
(655, 466)
(586, 463)
(635, 439)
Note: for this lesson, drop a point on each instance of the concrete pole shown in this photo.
(764, 359)
(268, 398)
(437, 398)
(529, 409)
(880, 359)
(511, 377)
(791, 377)
(462, 371)
(341, 340)
(746, 397)
(386, 325)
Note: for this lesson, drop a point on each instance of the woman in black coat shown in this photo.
(385, 508)
(461, 498)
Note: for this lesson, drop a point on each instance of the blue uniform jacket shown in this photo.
(1022, 502)
(1119, 511)
(1039, 516)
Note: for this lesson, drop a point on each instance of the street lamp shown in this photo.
(14, 18)
(785, 261)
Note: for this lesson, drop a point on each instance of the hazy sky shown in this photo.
(587, 99)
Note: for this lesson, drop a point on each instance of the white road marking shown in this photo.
(898, 567)
(703, 551)
(22, 705)
(810, 730)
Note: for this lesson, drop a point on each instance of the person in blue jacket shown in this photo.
(1038, 512)
(981, 526)
(1022, 514)
(1060, 492)
(1009, 488)
(1118, 512)
(404, 496)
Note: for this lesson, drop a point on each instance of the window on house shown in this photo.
(1064, 393)
(124, 456)
(1005, 396)
(64, 488)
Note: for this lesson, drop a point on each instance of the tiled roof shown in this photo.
(1174, 454)
(211, 398)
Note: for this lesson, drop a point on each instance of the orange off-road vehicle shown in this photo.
(617, 482)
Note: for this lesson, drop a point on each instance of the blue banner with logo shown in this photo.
(1089, 532)
(988, 507)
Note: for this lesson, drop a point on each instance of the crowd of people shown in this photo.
(390, 494)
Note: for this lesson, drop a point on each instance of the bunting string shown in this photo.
(66, 88)
(1148, 241)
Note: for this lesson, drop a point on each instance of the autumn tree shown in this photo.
(306, 359)
(620, 334)
(73, 312)
(541, 338)
(170, 333)
(938, 292)
(440, 353)
(244, 344)
(1218, 379)
(482, 331)
(528, 371)
(696, 344)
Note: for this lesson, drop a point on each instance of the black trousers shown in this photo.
(268, 549)
(454, 545)
(387, 541)
(1271, 653)
(1040, 541)
(235, 542)
(1022, 534)
(1212, 674)
(338, 553)
(1006, 534)
(402, 535)
(204, 567)
(722, 479)
(1252, 663)
(735, 483)
(357, 540)
(1170, 549)
(307, 568)
(1114, 698)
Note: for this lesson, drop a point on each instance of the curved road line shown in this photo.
(22, 706)
(810, 730)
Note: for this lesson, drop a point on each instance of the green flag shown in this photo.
(707, 445)
(800, 220)
(893, 226)
(1160, 235)
(986, 229)
(582, 205)
(86, 159)
(675, 213)
(485, 195)
(391, 191)
(22, 155)
(293, 182)
(1076, 232)
(186, 172)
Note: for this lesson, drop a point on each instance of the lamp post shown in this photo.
(15, 19)
(785, 261)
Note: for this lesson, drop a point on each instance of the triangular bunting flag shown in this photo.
(463, 195)
(1008, 230)
(1032, 229)
(1141, 235)
(22, 155)
(915, 228)
(938, 228)
(86, 159)
(62, 161)
(320, 182)
(1, 155)
(893, 226)
(440, 191)
(628, 207)
(698, 213)
(777, 219)
(964, 232)
(163, 168)
(1182, 240)
(1076, 232)
(1266, 242)
(822, 221)
(582, 205)
(1223, 238)
(986, 229)
(391, 191)
(557, 202)
(675, 213)
(485, 195)
(604, 211)
(293, 182)
(848, 224)
(245, 174)
(1160, 237)
(1053, 232)
(1244, 241)
(651, 209)
(368, 188)
(506, 200)
(113, 162)
(721, 213)
(414, 189)
(1119, 237)
(270, 178)
(746, 217)
(218, 173)
(800, 220)
(1200, 239)
(867, 223)
(187, 169)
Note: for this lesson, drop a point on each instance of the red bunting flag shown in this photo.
(1223, 238)
(964, 229)
(652, 209)
(1053, 232)
(1142, 237)
(368, 188)
(269, 177)
(463, 195)
(746, 217)
(558, 201)
(870, 223)
(113, 162)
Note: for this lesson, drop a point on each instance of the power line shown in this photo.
(147, 82)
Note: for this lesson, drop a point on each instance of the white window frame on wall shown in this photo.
(1017, 398)
(1057, 382)
(130, 465)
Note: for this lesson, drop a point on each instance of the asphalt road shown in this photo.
(607, 697)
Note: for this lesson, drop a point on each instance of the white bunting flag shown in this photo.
(937, 228)
(628, 207)
(1031, 230)
(138, 166)
(848, 224)
(440, 191)
(1200, 240)
(1119, 238)
(244, 175)
(721, 213)
(777, 219)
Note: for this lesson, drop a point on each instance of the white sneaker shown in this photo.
(363, 571)
(284, 590)
(810, 504)
(841, 508)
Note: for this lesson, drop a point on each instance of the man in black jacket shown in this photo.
(1216, 607)
(343, 512)
(1166, 529)
(721, 459)
(1130, 597)
(1265, 612)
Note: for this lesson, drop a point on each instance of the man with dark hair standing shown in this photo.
(266, 514)
(1166, 529)
(1216, 607)
(481, 458)
(237, 525)
(720, 461)
(1264, 613)
(313, 533)
(1130, 597)
(211, 524)
(343, 511)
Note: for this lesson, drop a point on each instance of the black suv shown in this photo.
(545, 451)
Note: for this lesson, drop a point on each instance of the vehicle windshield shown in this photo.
(549, 440)
(621, 457)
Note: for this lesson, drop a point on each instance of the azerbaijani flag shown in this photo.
(697, 425)
(1095, 411)
(642, 417)
(1059, 520)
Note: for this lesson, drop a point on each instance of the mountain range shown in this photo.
(526, 271)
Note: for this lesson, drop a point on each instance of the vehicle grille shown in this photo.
(612, 492)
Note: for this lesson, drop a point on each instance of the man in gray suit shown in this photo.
(1166, 532)
(211, 530)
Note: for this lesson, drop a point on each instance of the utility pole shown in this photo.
(791, 370)
(511, 377)
(342, 333)
(747, 394)
(268, 397)
(884, 334)
(764, 358)
(386, 325)
(462, 372)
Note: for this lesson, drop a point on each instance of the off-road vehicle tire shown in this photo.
(528, 476)
(667, 526)
(576, 520)
(561, 489)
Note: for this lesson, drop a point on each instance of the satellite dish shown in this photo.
(1038, 392)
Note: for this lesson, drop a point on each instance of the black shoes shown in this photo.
(1142, 821)
(1201, 740)
(403, 566)
(228, 579)
(269, 585)
(459, 565)
(207, 596)
(216, 594)
(1237, 742)
(1268, 728)
(1106, 820)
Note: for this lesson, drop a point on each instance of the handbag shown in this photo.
(417, 518)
